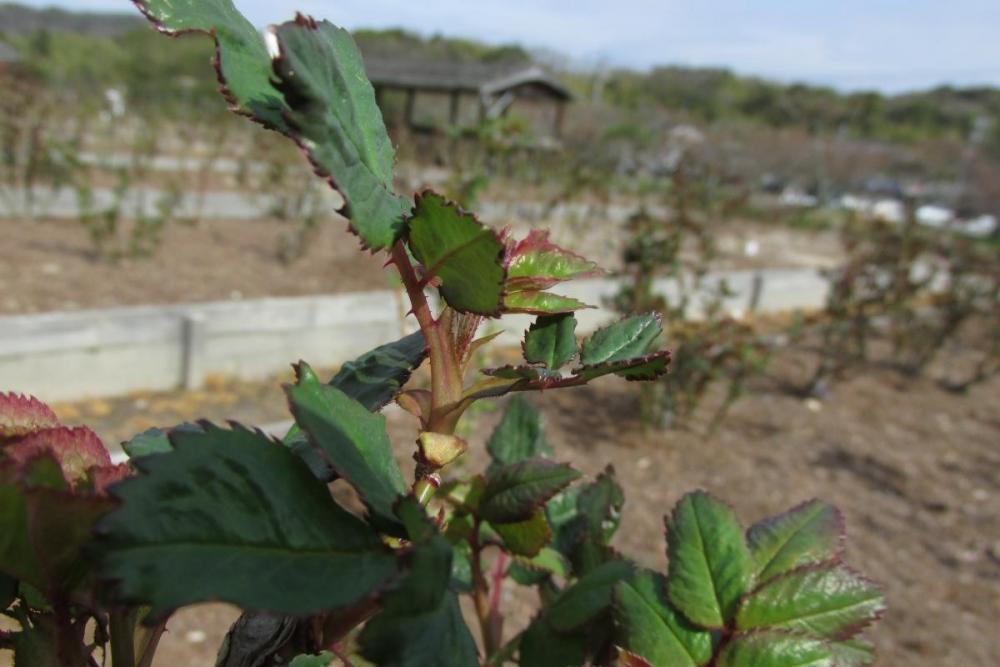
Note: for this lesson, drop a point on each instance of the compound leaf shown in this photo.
(533, 265)
(515, 491)
(551, 340)
(829, 601)
(353, 440)
(710, 567)
(465, 255)
(775, 649)
(810, 533)
(333, 116)
(649, 626)
(238, 518)
(629, 338)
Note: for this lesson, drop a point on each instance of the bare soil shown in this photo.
(915, 469)
(50, 265)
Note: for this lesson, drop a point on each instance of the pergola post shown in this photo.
(557, 127)
(453, 109)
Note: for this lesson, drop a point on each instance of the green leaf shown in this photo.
(515, 491)
(551, 340)
(709, 564)
(333, 116)
(632, 337)
(626, 349)
(829, 601)
(810, 533)
(354, 441)
(541, 646)
(224, 512)
(243, 67)
(519, 435)
(548, 561)
(588, 597)
(457, 249)
(576, 626)
(600, 506)
(155, 440)
(852, 653)
(421, 622)
(8, 591)
(649, 626)
(541, 303)
(324, 659)
(374, 378)
(525, 538)
(775, 649)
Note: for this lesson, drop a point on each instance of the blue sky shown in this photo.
(891, 45)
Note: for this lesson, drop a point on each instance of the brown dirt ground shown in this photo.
(51, 265)
(915, 469)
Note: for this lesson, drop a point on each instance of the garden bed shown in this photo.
(914, 468)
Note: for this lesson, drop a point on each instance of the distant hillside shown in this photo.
(18, 19)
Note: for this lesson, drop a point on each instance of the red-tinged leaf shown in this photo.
(104, 477)
(627, 659)
(535, 263)
(20, 415)
(76, 449)
(810, 533)
(44, 525)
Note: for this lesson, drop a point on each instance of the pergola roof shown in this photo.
(476, 78)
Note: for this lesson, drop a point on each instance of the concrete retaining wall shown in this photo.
(73, 355)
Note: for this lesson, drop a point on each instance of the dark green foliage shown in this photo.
(195, 515)
(352, 439)
(460, 251)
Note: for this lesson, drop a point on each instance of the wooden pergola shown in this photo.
(495, 88)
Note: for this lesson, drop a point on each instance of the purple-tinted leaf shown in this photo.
(810, 533)
(20, 415)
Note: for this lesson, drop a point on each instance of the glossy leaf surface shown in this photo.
(810, 533)
(650, 628)
(709, 564)
(828, 601)
(774, 649)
